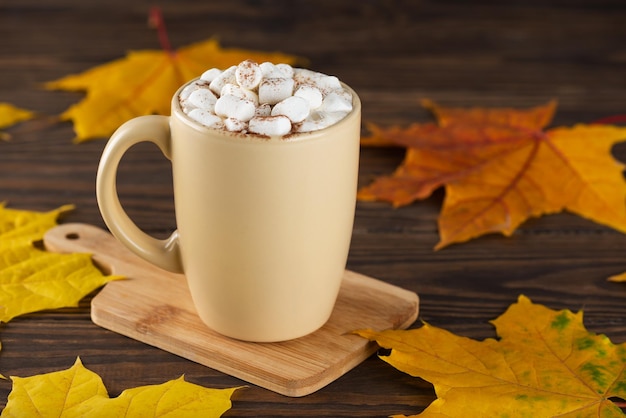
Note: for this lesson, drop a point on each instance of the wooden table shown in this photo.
(394, 53)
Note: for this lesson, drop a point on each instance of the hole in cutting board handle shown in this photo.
(104, 268)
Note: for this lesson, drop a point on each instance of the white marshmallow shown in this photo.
(242, 93)
(234, 107)
(227, 76)
(285, 69)
(187, 108)
(305, 76)
(202, 98)
(295, 108)
(325, 83)
(311, 94)
(248, 75)
(232, 89)
(263, 110)
(184, 94)
(235, 125)
(273, 90)
(269, 70)
(205, 117)
(190, 88)
(266, 68)
(252, 96)
(345, 94)
(334, 102)
(270, 125)
(319, 120)
(210, 75)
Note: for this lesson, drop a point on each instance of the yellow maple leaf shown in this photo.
(544, 364)
(618, 278)
(79, 392)
(143, 83)
(32, 279)
(27, 226)
(10, 115)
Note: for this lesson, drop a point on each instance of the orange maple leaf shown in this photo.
(144, 82)
(500, 167)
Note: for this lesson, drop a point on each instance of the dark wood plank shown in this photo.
(394, 53)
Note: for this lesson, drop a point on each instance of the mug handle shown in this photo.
(156, 129)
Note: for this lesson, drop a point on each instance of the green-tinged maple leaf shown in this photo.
(500, 167)
(10, 115)
(143, 83)
(32, 279)
(79, 392)
(545, 364)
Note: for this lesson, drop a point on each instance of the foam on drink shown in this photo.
(266, 99)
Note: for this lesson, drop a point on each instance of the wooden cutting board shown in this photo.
(155, 307)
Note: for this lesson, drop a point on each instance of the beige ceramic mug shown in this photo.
(263, 224)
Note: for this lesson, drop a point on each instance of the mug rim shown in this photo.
(177, 110)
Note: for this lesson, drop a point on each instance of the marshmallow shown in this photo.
(210, 75)
(205, 117)
(270, 125)
(226, 77)
(304, 76)
(232, 89)
(252, 96)
(234, 107)
(190, 88)
(235, 125)
(202, 98)
(242, 93)
(325, 83)
(334, 102)
(266, 68)
(345, 94)
(269, 70)
(294, 107)
(187, 108)
(319, 120)
(285, 69)
(311, 94)
(248, 74)
(263, 110)
(273, 90)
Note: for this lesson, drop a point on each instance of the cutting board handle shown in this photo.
(107, 252)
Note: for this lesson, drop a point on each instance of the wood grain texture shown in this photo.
(393, 53)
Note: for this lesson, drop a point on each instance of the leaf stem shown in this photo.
(155, 19)
(612, 119)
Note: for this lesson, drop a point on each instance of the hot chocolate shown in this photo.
(266, 99)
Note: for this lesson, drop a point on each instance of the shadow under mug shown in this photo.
(263, 224)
